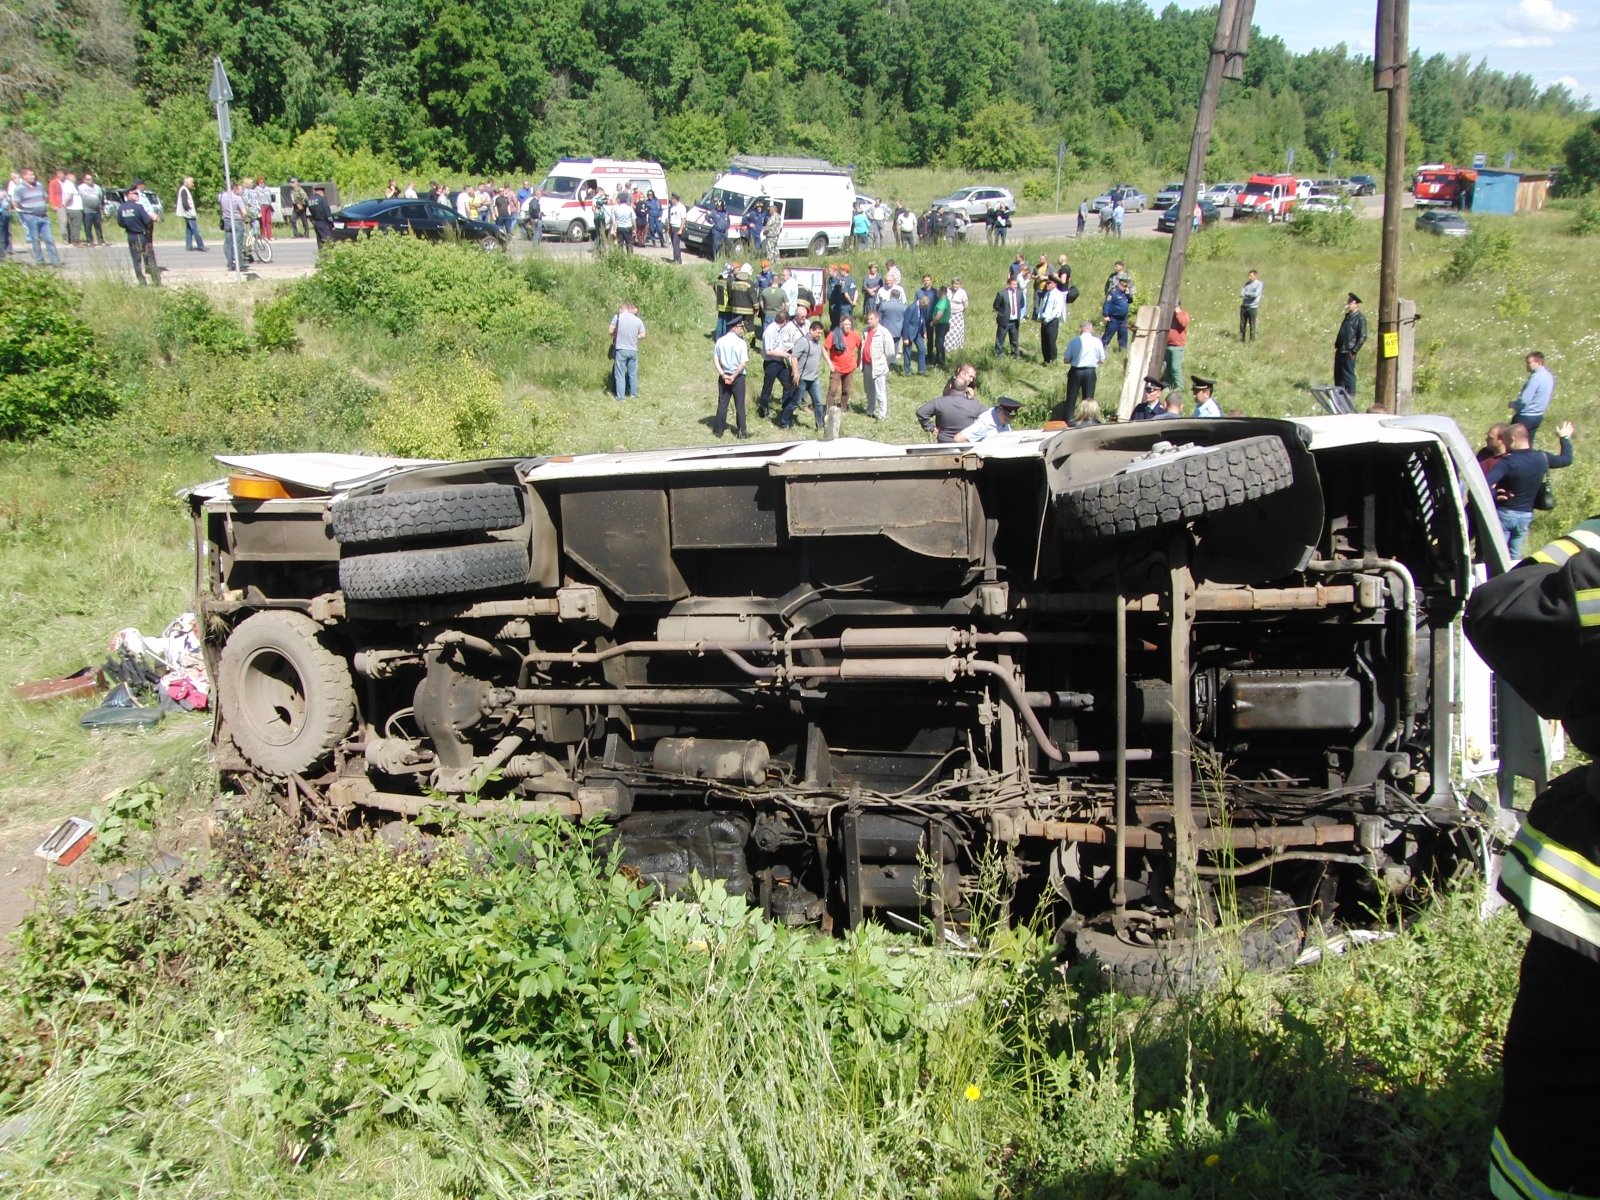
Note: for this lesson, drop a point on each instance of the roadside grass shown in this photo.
(207, 1042)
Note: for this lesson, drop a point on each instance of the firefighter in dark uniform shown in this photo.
(1538, 626)
(742, 298)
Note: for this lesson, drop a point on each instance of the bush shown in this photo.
(52, 372)
(255, 404)
(1336, 228)
(275, 324)
(187, 321)
(452, 410)
(399, 284)
(1586, 221)
(1481, 255)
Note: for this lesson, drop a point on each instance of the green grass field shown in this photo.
(334, 1020)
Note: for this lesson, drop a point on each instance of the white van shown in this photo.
(562, 210)
(818, 201)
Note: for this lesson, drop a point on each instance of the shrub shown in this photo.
(51, 370)
(1336, 228)
(275, 324)
(1514, 304)
(186, 320)
(255, 404)
(1481, 255)
(450, 410)
(399, 284)
(1586, 221)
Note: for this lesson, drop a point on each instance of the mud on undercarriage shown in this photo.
(1131, 664)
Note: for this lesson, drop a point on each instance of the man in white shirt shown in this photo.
(73, 204)
(992, 421)
(777, 362)
(183, 205)
(677, 214)
(623, 219)
(627, 331)
(877, 351)
(880, 224)
(731, 357)
(1204, 404)
(1085, 353)
(464, 203)
(92, 196)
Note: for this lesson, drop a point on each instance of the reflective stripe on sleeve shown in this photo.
(1563, 548)
(1565, 868)
(1548, 902)
(1510, 1179)
(1588, 601)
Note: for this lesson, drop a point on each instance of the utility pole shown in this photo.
(220, 95)
(1227, 62)
(1391, 72)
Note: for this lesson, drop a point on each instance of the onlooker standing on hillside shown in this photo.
(1115, 310)
(1118, 213)
(777, 361)
(959, 302)
(1537, 391)
(267, 201)
(299, 208)
(1083, 215)
(6, 207)
(731, 357)
(33, 205)
(93, 197)
(807, 369)
(1052, 311)
(627, 331)
(1008, 309)
(948, 415)
(843, 349)
(183, 205)
(877, 351)
(1250, 306)
(623, 221)
(58, 198)
(1177, 339)
(1347, 344)
(1515, 480)
(1085, 353)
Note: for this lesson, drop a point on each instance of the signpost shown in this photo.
(221, 94)
(1480, 160)
(1061, 158)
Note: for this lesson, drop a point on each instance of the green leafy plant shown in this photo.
(1482, 255)
(186, 321)
(52, 372)
(275, 327)
(1586, 219)
(1337, 229)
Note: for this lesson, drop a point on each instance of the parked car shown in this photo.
(1443, 223)
(978, 201)
(423, 218)
(662, 641)
(1133, 200)
(1167, 222)
(1172, 193)
(1323, 201)
(152, 201)
(1225, 195)
(1362, 185)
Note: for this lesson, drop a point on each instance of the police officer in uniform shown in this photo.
(140, 227)
(1538, 626)
(321, 218)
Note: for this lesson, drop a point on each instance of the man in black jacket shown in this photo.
(1007, 317)
(140, 227)
(1347, 344)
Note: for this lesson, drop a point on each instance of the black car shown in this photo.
(1362, 185)
(423, 218)
(1168, 220)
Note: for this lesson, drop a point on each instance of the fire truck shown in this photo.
(1270, 196)
(1444, 186)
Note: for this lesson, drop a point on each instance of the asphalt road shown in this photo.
(293, 257)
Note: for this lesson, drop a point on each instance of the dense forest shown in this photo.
(368, 87)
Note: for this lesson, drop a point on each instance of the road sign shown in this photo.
(221, 91)
(1480, 159)
(1291, 156)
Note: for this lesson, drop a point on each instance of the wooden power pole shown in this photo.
(1227, 62)
(1391, 73)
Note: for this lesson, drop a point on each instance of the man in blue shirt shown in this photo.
(1515, 480)
(1534, 400)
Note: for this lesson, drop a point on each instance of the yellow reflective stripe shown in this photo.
(1588, 605)
(1557, 552)
(1510, 1179)
(1553, 905)
(1563, 867)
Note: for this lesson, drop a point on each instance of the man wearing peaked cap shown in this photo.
(1205, 404)
(1151, 406)
(994, 420)
(1538, 627)
(1347, 344)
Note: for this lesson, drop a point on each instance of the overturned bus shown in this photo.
(1141, 666)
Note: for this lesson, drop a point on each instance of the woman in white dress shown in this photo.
(959, 299)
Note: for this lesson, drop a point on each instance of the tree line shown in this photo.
(370, 87)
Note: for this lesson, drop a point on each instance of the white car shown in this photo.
(1225, 195)
(978, 202)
